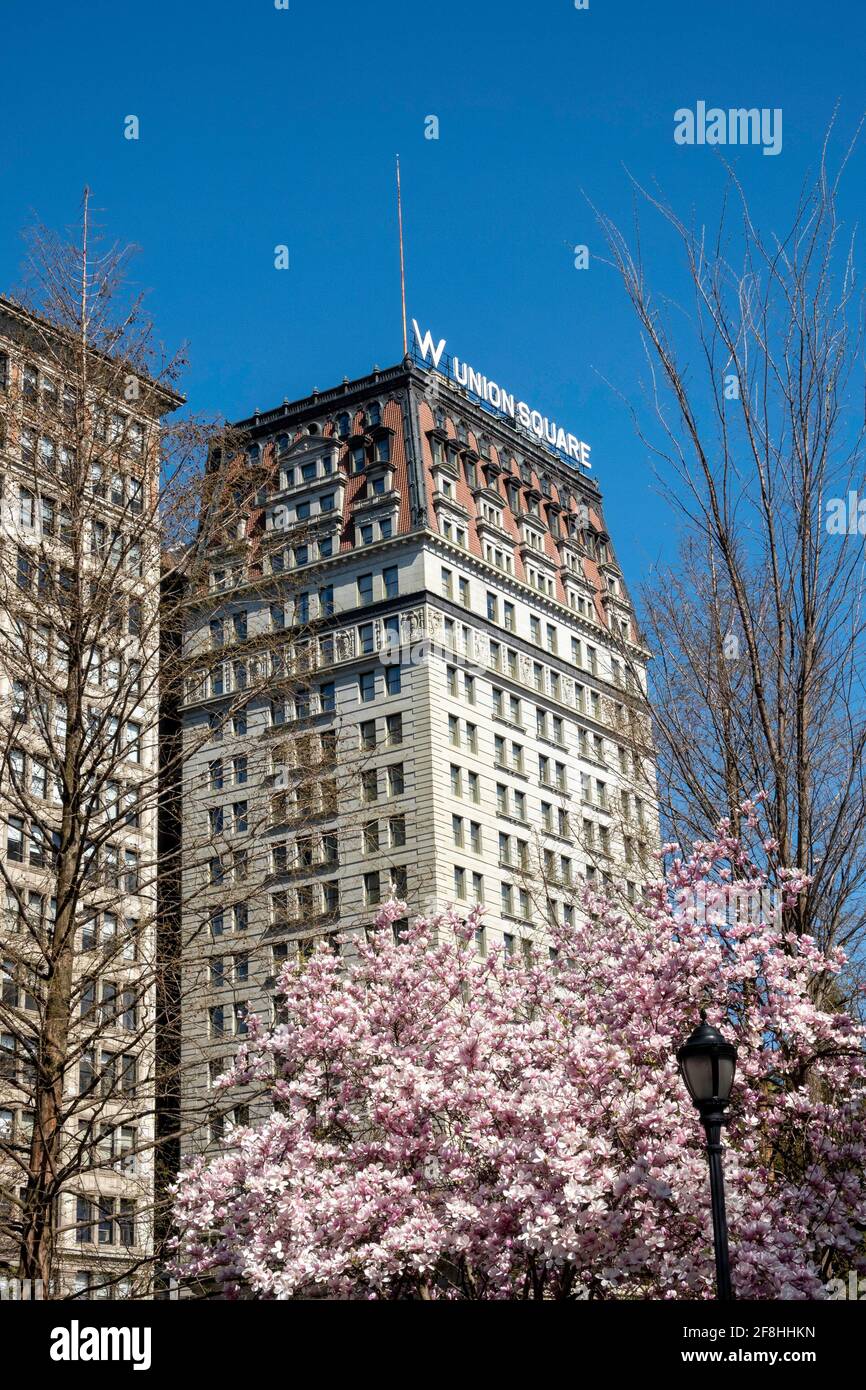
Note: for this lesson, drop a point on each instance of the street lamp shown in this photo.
(707, 1064)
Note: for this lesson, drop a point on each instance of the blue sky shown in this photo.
(261, 127)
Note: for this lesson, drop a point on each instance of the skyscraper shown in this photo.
(446, 689)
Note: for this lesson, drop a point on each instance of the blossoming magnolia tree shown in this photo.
(455, 1125)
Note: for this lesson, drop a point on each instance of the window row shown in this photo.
(103, 931)
(305, 852)
(229, 970)
(380, 885)
(110, 1003)
(114, 865)
(108, 1075)
(380, 835)
(303, 802)
(229, 1020)
(105, 1221)
(372, 780)
(294, 907)
(111, 1146)
(232, 818)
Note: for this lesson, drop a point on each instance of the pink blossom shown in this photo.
(452, 1125)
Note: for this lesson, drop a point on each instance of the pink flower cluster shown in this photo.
(455, 1125)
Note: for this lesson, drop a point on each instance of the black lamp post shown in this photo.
(707, 1064)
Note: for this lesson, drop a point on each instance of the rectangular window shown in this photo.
(365, 589)
(83, 1221)
(15, 840)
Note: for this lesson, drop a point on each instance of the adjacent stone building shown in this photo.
(79, 581)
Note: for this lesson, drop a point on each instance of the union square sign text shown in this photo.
(532, 421)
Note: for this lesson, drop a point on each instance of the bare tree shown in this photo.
(110, 525)
(756, 422)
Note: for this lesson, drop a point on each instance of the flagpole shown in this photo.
(402, 259)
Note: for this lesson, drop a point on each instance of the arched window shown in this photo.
(282, 443)
(253, 453)
(374, 413)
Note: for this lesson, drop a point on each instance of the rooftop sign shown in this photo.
(503, 402)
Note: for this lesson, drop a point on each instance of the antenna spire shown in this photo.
(402, 258)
